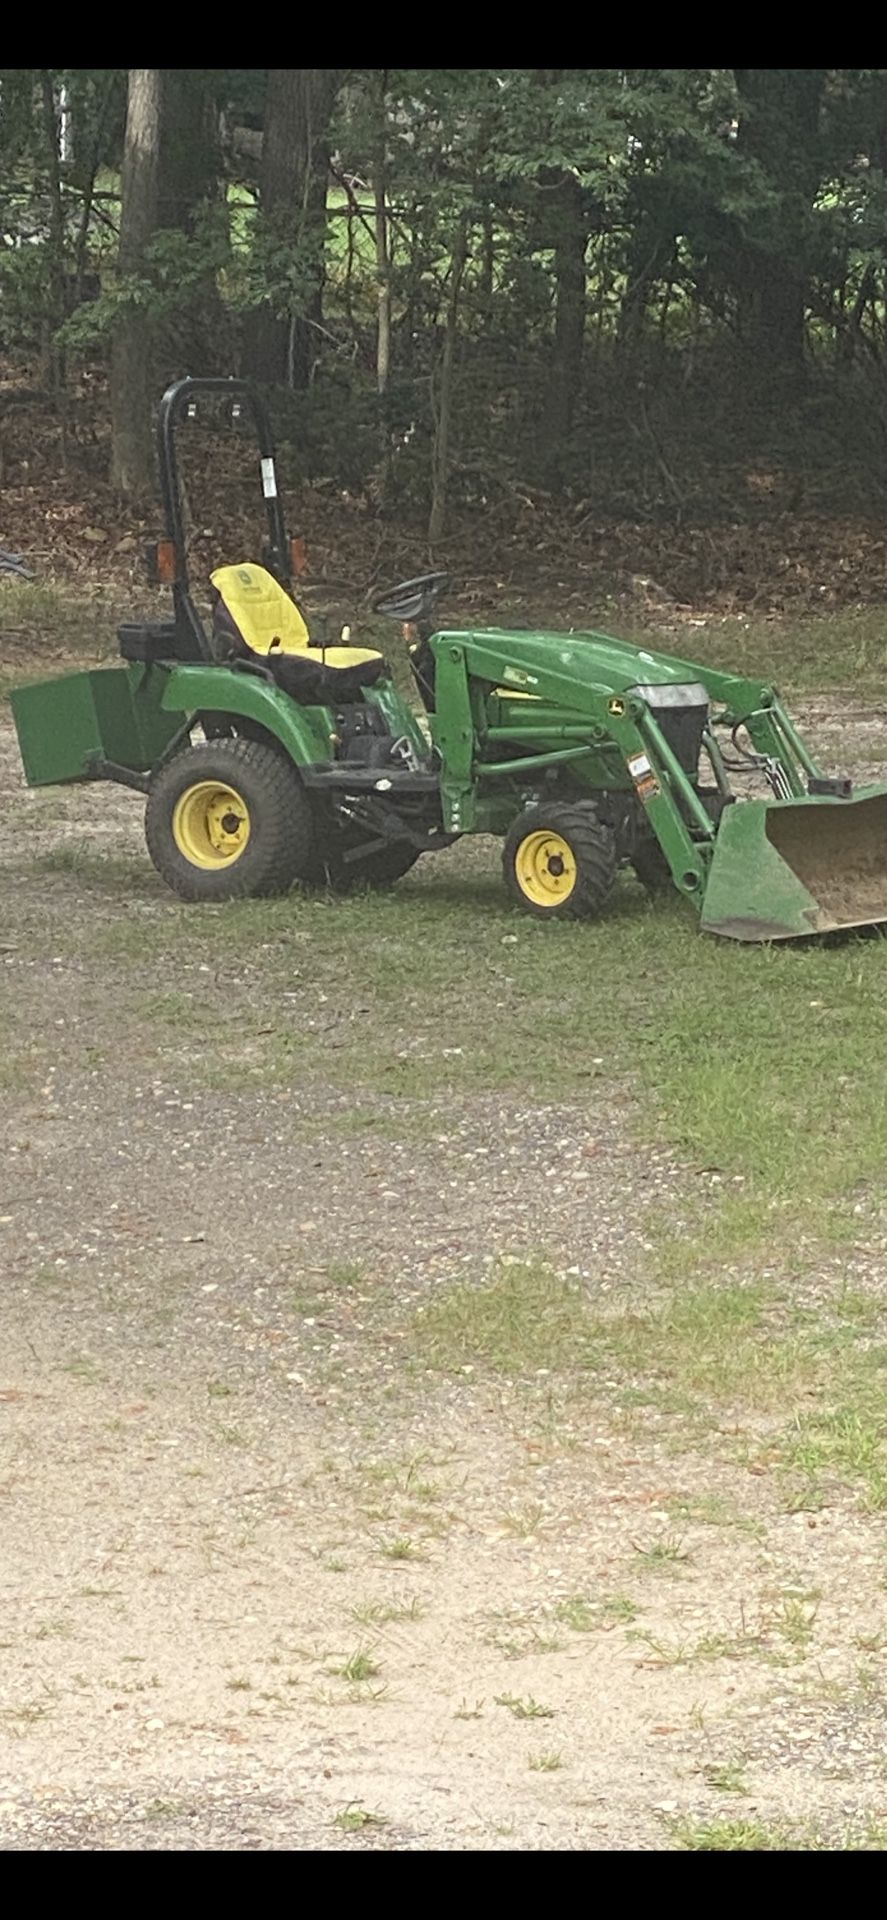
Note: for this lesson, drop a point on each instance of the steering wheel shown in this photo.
(411, 599)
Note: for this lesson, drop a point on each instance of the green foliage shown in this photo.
(177, 269)
(700, 208)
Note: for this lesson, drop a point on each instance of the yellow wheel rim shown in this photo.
(210, 825)
(545, 867)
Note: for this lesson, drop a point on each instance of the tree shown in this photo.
(282, 337)
(131, 454)
(778, 131)
(569, 231)
(189, 202)
(53, 361)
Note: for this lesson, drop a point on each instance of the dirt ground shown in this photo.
(268, 1581)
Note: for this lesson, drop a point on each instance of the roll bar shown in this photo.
(173, 409)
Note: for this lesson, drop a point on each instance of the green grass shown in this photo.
(668, 1551)
(46, 630)
(581, 1615)
(525, 1319)
(742, 1345)
(401, 1547)
(354, 1818)
(710, 1510)
(730, 1836)
(715, 1339)
(524, 1708)
(752, 1836)
(590, 1616)
(726, 1776)
(849, 1441)
(806, 655)
(382, 1613)
(361, 1665)
(761, 1066)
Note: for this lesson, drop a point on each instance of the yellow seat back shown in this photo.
(262, 612)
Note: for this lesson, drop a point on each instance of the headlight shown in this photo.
(691, 695)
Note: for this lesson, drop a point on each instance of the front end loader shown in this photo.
(270, 757)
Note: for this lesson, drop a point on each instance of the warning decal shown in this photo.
(638, 765)
(646, 784)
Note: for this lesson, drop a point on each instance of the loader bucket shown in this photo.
(783, 869)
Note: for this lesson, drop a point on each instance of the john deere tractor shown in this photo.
(269, 757)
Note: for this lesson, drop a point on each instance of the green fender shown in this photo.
(303, 732)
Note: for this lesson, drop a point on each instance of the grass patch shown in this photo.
(383, 1613)
(727, 1046)
(730, 1836)
(528, 1318)
(526, 1708)
(46, 630)
(361, 1665)
(577, 1613)
(812, 654)
(848, 1442)
(697, 1352)
(524, 1320)
(668, 1551)
(589, 1616)
(401, 1547)
(517, 1634)
(727, 1776)
(710, 1510)
(355, 1818)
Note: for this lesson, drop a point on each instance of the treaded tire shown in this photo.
(280, 843)
(592, 849)
(652, 868)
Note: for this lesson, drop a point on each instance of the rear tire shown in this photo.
(229, 819)
(560, 862)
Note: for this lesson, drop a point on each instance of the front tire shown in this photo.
(652, 868)
(560, 862)
(229, 819)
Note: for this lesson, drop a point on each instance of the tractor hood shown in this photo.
(593, 660)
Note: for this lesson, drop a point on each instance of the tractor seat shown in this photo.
(253, 614)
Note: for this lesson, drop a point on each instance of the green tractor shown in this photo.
(269, 757)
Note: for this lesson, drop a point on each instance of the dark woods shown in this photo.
(599, 284)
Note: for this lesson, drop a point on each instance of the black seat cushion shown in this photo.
(306, 678)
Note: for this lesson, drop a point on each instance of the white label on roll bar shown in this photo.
(269, 480)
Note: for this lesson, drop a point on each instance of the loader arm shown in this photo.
(581, 716)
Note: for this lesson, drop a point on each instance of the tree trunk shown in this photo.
(53, 359)
(440, 453)
(188, 191)
(88, 173)
(131, 451)
(778, 128)
(569, 229)
(487, 264)
(280, 345)
(383, 264)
